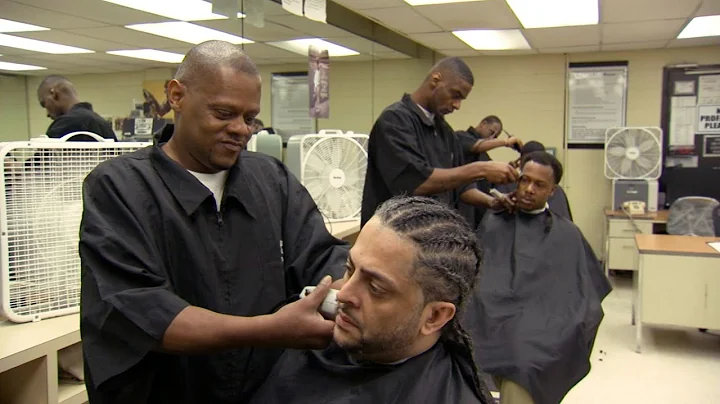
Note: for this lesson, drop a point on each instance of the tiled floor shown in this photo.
(677, 365)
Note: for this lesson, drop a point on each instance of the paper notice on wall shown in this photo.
(597, 102)
(709, 90)
(682, 121)
(684, 88)
(293, 6)
(316, 10)
(708, 118)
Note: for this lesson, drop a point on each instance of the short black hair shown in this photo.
(54, 81)
(204, 58)
(545, 159)
(532, 146)
(456, 66)
(491, 119)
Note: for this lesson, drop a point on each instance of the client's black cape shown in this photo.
(537, 306)
(314, 377)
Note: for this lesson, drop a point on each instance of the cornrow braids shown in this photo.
(447, 264)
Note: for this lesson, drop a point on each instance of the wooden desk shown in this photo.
(678, 283)
(28, 352)
(620, 252)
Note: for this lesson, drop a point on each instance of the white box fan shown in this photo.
(331, 165)
(633, 161)
(40, 213)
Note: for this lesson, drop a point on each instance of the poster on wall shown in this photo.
(289, 104)
(155, 94)
(597, 101)
(708, 118)
(319, 82)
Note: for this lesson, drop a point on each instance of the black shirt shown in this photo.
(405, 146)
(152, 242)
(80, 117)
(467, 140)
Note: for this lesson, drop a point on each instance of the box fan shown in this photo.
(40, 212)
(633, 161)
(331, 165)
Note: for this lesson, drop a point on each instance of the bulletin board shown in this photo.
(691, 124)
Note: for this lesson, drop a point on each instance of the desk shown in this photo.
(678, 283)
(28, 352)
(620, 252)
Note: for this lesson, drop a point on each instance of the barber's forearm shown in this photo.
(482, 146)
(476, 198)
(447, 179)
(197, 330)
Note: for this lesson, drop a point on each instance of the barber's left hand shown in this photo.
(505, 202)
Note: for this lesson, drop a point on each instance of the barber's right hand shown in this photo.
(496, 172)
(301, 325)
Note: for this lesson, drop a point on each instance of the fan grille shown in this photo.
(40, 221)
(333, 171)
(633, 153)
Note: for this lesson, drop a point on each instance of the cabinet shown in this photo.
(620, 251)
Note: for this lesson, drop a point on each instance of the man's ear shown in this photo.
(553, 189)
(176, 92)
(435, 79)
(436, 315)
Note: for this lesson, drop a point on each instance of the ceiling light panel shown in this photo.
(187, 32)
(300, 46)
(39, 46)
(701, 27)
(492, 39)
(14, 26)
(430, 2)
(18, 67)
(555, 13)
(149, 54)
(183, 10)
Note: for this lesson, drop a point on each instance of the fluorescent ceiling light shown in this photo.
(18, 67)
(555, 13)
(39, 46)
(186, 32)
(150, 54)
(701, 27)
(429, 2)
(301, 46)
(492, 39)
(183, 10)
(14, 26)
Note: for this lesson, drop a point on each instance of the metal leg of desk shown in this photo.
(637, 304)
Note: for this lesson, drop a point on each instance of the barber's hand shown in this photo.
(510, 142)
(505, 202)
(303, 327)
(499, 173)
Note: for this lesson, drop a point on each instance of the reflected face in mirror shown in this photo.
(489, 130)
(449, 91)
(214, 117)
(536, 185)
(381, 305)
(49, 98)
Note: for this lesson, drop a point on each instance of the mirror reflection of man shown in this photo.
(59, 97)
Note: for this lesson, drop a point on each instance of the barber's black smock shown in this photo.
(80, 117)
(467, 140)
(152, 243)
(405, 146)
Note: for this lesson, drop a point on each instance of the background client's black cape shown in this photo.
(536, 310)
(314, 377)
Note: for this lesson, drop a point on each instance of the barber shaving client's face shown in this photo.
(382, 309)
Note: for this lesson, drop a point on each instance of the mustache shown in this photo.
(342, 310)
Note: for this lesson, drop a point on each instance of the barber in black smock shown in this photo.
(59, 98)
(188, 246)
(413, 151)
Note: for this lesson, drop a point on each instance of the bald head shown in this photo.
(454, 67)
(57, 95)
(58, 83)
(207, 57)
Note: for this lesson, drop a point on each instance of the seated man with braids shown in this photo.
(534, 316)
(397, 336)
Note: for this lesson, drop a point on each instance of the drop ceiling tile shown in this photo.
(489, 14)
(467, 52)
(96, 10)
(644, 31)
(270, 32)
(402, 19)
(71, 39)
(707, 41)
(264, 51)
(32, 15)
(359, 44)
(645, 10)
(370, 4)
(634, 46)
(563, 36)
(709, 7)
(308, 27)
(391, 55)
(571, 49)
(509, 52)
(443, 40)
(30, 61)
(129, 37)
(86, 60)
(4, 50)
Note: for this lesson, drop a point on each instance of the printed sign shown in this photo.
(708, 119)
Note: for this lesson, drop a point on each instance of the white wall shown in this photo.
(13, 108)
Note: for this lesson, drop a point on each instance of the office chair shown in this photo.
(692, 216)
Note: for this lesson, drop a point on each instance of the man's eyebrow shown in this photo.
(373, 273)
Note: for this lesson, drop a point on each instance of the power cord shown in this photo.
(632, 220)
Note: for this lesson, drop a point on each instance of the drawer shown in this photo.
(623, 254)
(624, 228)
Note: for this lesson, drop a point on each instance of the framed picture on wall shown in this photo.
(289, 105)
